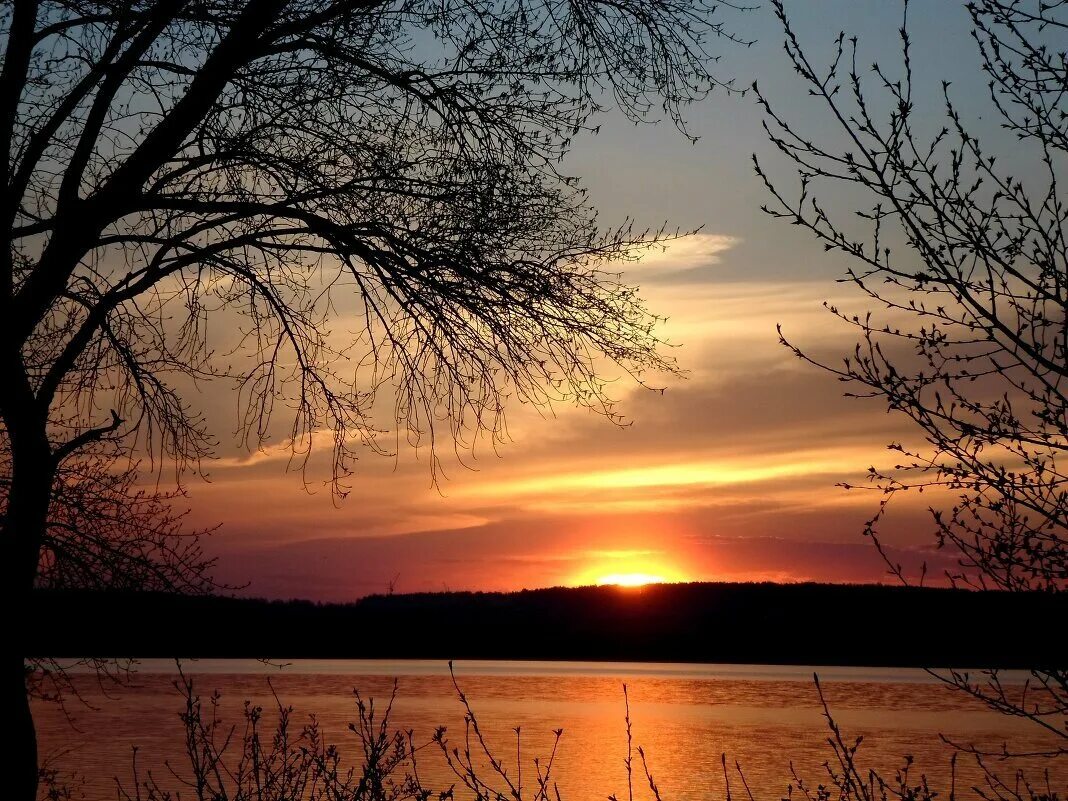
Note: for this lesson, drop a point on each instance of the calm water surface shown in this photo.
(685, 716)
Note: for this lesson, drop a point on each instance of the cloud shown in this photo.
(747, 448)
(688, 259)
(551, 550)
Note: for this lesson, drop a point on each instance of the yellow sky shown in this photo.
(727, 474)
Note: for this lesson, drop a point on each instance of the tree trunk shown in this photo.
(23, 531)
(21, 781)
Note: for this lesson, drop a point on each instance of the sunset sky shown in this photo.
(729, 474)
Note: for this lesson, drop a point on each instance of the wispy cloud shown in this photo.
(748, 447)
(686, 260)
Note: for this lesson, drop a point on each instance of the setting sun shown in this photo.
(503, 358)
(630, 579)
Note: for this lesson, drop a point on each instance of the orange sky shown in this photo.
(729, 474)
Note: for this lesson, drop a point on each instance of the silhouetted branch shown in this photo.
(967, 266)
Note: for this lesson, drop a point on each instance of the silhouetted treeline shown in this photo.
(745, 623)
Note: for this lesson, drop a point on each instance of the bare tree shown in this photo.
(106, 532)
(968, 264)
(197, 190)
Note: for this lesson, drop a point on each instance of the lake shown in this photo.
(685, 716)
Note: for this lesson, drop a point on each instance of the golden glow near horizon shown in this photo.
(629, 568)
(722, 472)
(630, 580)
(729, 475)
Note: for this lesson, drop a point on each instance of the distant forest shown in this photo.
(768, 623)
